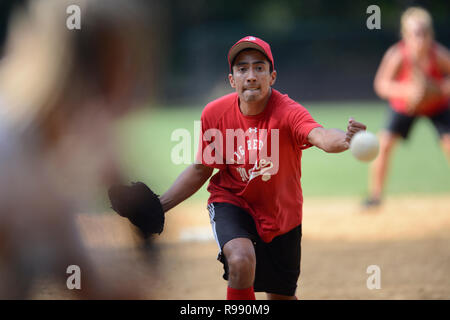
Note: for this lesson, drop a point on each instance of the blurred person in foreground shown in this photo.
(414, 76)
(60, 92)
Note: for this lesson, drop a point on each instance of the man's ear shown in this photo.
(231, 79)
(273, 77)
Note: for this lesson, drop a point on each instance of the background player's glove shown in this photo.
(423, 91)
(140, 205)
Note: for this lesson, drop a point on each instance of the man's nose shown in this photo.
(251, 76)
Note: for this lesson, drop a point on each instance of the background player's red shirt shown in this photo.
(404, 75)
(259, 172)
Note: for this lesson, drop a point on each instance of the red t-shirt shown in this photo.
(436, 105)
(259, 159)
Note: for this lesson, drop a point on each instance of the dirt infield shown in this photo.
(408, 239)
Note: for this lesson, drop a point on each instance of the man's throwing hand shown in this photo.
(352, 128)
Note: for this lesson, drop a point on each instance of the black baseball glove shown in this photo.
(140, 205)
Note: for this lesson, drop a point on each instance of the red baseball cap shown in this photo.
(250, 42)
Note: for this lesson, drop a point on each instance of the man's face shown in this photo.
(251, 76)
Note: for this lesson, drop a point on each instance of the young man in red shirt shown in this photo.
(255, 137)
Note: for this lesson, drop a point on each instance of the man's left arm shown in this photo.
(335, 140)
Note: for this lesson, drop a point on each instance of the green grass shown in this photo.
(418, 165)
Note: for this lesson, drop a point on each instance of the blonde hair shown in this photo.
(417, 13)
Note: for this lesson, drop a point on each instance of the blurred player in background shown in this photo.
(414, 76)
(60, 92)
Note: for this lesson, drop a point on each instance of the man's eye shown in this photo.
(242, 69)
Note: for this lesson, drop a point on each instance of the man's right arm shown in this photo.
(187, 183)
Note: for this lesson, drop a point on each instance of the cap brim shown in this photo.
(242, 46)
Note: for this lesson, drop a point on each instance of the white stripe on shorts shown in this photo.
(212, 213)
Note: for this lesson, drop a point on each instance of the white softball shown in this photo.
(364, 146)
